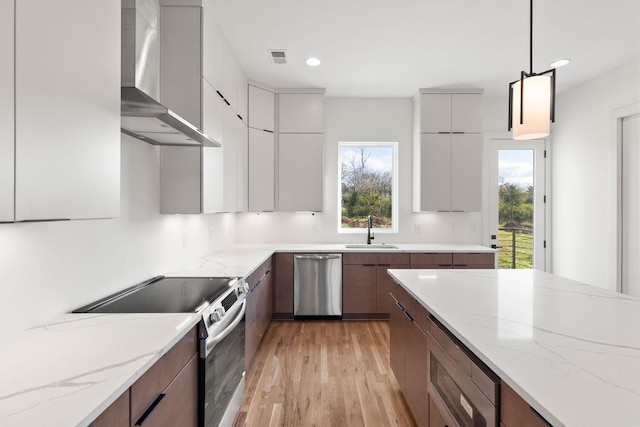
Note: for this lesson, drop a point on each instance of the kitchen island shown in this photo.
(570, 350)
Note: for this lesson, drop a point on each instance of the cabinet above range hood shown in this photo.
(143, 115)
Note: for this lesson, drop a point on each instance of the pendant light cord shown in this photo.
(531, 37)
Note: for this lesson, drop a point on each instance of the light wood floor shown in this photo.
(324, 373)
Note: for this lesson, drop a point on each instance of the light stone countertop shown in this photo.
(571, 350)
(69, 370)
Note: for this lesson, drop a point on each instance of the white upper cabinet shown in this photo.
(301, 112)
(466, 113)
(212, 54)
(261, 171)
(466, 162)
(448, 155)
(181, 62)
(435, 113)
(230, 81)
(300, 172)
(243, 96)
(67, 109)
(6, 110)
(180, 180)
(261, 108)
(435, 167)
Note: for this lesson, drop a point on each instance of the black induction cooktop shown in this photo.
(163, 295)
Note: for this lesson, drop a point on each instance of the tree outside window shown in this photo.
(367, 185)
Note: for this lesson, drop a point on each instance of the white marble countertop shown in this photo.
(241, 260)
(571, 350)
(67, 371)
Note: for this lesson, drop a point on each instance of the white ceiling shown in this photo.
(391, 48)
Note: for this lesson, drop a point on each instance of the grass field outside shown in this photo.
(518, 240)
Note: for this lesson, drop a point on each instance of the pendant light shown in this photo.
(532, 98)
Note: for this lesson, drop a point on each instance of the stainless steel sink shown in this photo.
(372, 246)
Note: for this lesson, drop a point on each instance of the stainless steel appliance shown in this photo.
(317, 285)
(221, 303)
(463, 391)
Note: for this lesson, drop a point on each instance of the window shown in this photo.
(367, 186)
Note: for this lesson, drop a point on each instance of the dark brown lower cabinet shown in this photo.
(514, 411)
(359, 289)
(165, 395)
(409, 353)
(436, 419)
(259, 309)
(283, 286)
(116, 415)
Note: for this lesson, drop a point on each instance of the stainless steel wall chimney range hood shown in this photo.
(143, 115)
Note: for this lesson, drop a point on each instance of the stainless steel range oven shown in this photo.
(221, 303)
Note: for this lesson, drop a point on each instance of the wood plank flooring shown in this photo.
(323, 373)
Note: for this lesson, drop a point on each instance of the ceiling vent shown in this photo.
(278, 56)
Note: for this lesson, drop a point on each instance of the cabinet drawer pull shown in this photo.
(407, 315)
(221, 95)
(400, 305)
(151, 408)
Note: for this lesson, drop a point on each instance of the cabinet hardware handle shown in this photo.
(400, 305)
(240, 117)
(151, 408)
(443, 133)
(407, 315)
(221, 95)
(457, 132)
(227, 102)
(270, 131)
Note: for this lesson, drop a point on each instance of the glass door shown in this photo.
(517, 202)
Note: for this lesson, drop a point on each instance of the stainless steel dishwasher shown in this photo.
(317, 285)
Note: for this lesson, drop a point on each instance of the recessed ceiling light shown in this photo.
(560, 63)
(313, 62)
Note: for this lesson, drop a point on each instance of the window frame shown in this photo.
(394, 186)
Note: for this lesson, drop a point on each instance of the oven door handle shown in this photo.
(213, 341)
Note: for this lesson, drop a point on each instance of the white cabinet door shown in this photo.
(213, 108)
(243, 95)
(243, 169)
(230, 82)
(213, 48)
(180, 180)
(181, 65)
(435, 112)
(6, 110)
(232, 126)
(466, 113)
(435, 179)
(301, 113)
(67, 109)
(300, 172)
(261, 109)
(261, 171)
(466, 176)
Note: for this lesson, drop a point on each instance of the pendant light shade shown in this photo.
(536, 107)
(532, 99)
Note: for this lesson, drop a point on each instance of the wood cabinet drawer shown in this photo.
(178, 405)
(116, 415)
(432, 260)
(145, 391)
(465, 260)
(375, 258)
(514, 411)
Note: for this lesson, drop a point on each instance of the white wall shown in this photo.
(362, 119)
(50, 268)
(583, 175)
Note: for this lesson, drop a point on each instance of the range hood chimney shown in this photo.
(143, 115)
